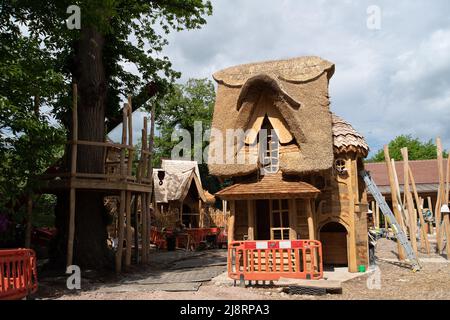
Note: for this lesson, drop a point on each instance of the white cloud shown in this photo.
(387, 82)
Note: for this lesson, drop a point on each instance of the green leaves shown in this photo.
(417, 150)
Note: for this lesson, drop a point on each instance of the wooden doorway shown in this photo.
(262, 220)
(333, 236)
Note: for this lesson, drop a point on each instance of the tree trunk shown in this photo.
(90, 249)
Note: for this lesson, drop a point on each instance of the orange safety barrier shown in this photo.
(275, 259)
(157, 238)
(18, 275)
(198, 235)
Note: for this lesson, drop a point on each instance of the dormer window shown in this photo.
(269, 148)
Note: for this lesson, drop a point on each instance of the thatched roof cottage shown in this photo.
(295, 171)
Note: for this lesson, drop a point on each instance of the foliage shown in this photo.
(185, 104)
(29, 142)
(417, 150)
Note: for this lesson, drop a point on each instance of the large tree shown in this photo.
(184, 105)
(112, 32)
(417, 150)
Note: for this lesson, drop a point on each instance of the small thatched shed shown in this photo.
(179, 194)
(301, 180)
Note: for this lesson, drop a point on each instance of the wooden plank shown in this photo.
(377, 214)
(419, 202)
(137, 229)
(144, 227)
(409, 201)
(121, 214)
(397, 213)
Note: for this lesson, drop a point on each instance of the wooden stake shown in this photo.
(130, 136)
(409, 201)
(439, 200)
(251, 219)
(73, 172)
(377, 214)
(121, 214)
(430, 207)
(397, 213)
(443, 199)
(419, 203)
(128, 229)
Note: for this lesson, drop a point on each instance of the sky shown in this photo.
(392, 74)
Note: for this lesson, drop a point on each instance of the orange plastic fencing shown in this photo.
(157, 238)
(198, 235)
(275, 259)
(18, 275)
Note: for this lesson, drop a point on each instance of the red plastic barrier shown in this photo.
(157, 238)
(274, 259)
(18, 274)
(198, 235)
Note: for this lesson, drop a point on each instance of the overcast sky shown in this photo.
(388, 81)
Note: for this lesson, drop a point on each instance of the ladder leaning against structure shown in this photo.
(399, 233)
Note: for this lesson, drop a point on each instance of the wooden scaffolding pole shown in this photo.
(439, 201)
(122, 208)
(73, 171)
(409, 201)
(419, 202)
(443, 200)
(430, 207)
(395, 208)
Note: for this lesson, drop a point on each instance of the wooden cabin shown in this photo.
(304, 183)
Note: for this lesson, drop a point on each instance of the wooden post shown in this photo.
(123, 169)
(73, 171)
(310, 217)
(430, 207)
(137, 230)
(130, 137)
(121, 214)
(251, 219)
(231, 220)
(29, 221)
(293, 219)
(439, 200)
(377, 215)
(128, 228)
(397, 213)
(201, 216)
(419, 203)
(409, 201)
(443, 199)
(145, 239)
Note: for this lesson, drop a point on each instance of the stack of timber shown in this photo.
(409, 210)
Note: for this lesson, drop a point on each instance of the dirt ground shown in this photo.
(397, 281)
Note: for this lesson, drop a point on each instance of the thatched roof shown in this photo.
(178, 178)
(346, 138)
(297, 90)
